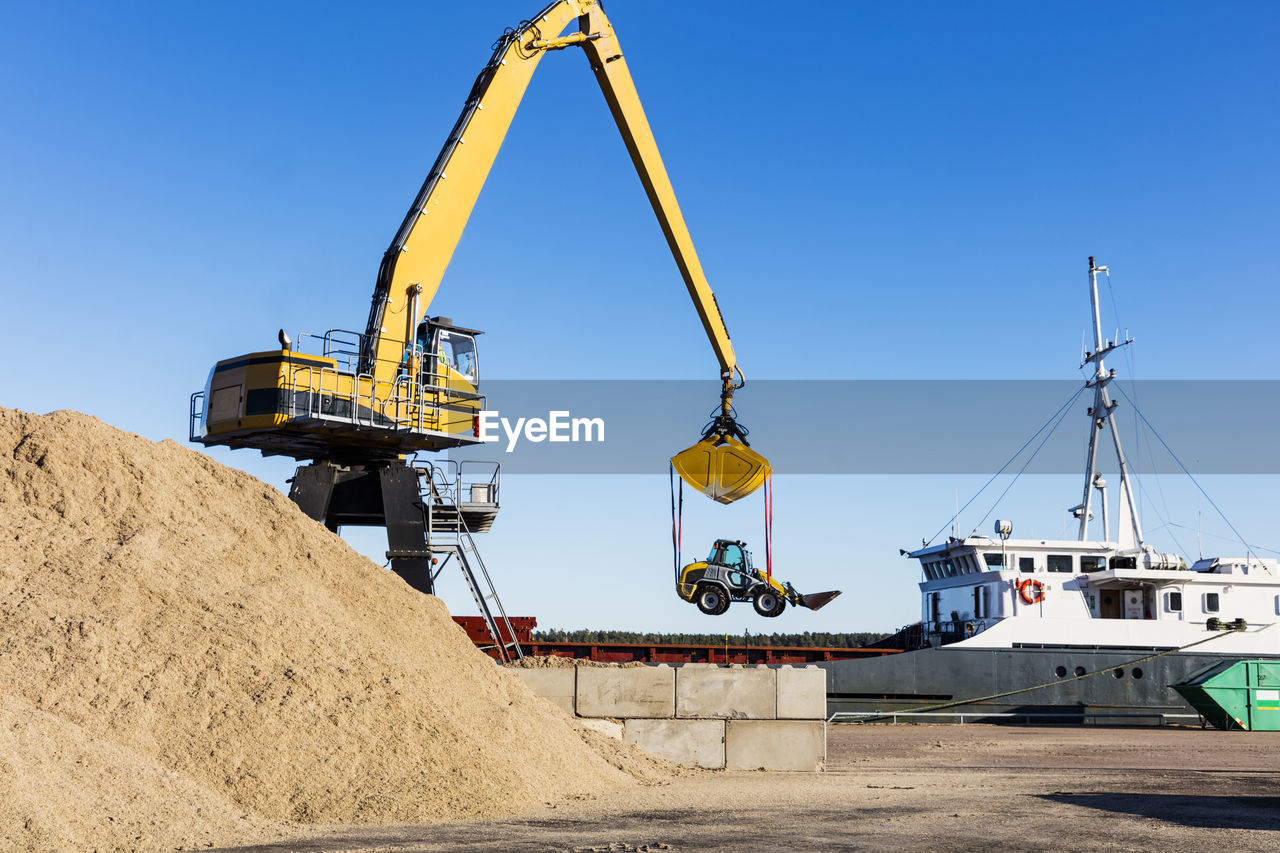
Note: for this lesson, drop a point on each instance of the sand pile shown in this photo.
(185, 657)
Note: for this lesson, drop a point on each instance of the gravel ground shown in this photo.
(909, 787)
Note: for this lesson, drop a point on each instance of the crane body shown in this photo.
(408, 383)
(357, 405)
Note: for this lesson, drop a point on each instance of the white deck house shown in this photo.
(1023, 592)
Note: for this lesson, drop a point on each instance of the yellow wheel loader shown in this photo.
(727, 575)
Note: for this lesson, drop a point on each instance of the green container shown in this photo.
(1236, 694)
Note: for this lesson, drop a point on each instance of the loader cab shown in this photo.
(449, 350)
(731, 554)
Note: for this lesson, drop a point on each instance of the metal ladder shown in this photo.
(447, 534)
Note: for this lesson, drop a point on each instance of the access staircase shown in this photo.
(458, 499)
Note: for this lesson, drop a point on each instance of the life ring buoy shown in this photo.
(1031, 590)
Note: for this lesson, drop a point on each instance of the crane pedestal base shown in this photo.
(377, 495)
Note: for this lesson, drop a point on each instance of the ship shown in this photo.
(1066, 630)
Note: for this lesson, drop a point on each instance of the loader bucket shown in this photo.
(722, 467)
(818, 600)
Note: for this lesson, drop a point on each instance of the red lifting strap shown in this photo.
(768, 527)
(677, 518)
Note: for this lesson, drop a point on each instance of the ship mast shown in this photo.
(1102, 414)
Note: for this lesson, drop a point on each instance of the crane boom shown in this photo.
(415, 262)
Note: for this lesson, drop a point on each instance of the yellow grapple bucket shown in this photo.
(722, 467)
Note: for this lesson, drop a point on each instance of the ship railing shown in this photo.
(1158, 718)
(953, 630)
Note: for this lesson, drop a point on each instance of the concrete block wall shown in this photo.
(775, 745)
(705, 715)
(727, 692)
(700, 743)
(558, 686)
(636, 691)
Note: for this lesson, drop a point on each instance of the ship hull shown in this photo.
(1130, 686)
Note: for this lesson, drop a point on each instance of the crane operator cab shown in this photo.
(448, 355)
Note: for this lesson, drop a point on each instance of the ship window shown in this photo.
(951, 568)
(1093, 564)
(994, 561)
(1173, 602)
(1210, 602)
(1060, 563)
(1124, 562)
(1026, 564)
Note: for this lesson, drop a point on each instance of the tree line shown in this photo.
(820, 639)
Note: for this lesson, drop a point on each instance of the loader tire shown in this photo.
(712, 600)
(768, 603)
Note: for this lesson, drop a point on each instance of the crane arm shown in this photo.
(414, 264)
(614, 78)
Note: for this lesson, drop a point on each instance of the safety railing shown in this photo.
(480, 481)
(470, 481)
(357, 398)
(195, 422)
(341, 345)
(439, 478)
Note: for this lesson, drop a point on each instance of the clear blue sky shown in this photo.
(898, 190)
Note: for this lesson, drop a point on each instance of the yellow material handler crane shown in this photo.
(361, 403)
